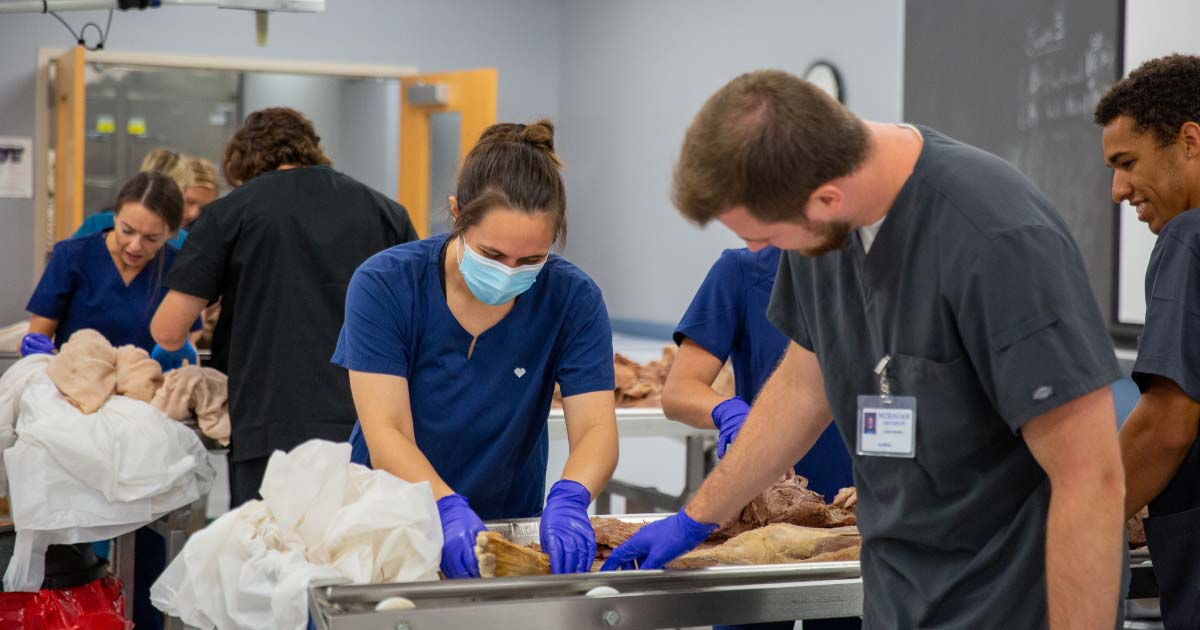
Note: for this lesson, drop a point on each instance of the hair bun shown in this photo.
(540, 134)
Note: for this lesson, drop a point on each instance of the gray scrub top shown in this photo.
(977, 291)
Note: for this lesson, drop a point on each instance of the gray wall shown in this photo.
(519, 37)
(634, 74)
(358, 119)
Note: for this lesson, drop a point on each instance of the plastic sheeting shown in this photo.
(12, 384)
(321, 517)
(97, 605)
(76, 477)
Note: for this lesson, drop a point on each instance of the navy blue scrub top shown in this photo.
(728, 318)
(105, 220)
(82, 288)
(1167, 349)
(480, 421)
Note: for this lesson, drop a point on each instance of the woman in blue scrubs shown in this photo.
(455, 343)
(727, 320)
(112, 282)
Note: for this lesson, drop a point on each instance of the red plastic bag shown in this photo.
(97, 605)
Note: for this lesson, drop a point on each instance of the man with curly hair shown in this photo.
(1151, 140)
(278, 252)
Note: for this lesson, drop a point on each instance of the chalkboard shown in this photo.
(1020, 78)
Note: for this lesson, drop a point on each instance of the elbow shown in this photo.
(165, 336)
(672, 405)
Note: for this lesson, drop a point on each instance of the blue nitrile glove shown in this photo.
(36, 343)
(171, 359)
(729, 417)
(460, 526)
(566, 532)
(658, 543)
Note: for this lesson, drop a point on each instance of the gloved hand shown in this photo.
(658, 543)
(566, 531)
(36, 343)
(729, 417)
(460, 526)
(171, 359)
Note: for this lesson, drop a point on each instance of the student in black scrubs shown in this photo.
(1151, 137)
(278, 251)
(929, 285)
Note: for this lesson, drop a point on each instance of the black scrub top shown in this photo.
(976, 290)
(1168, 348)
(279, 252)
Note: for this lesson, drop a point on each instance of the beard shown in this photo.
(833, 236)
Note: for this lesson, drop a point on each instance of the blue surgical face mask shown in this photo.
(494, 282)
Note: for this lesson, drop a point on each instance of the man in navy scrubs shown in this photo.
(930, 283)
(1151, 136)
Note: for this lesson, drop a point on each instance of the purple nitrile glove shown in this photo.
(729, 417)
(566, 531)
(460, 526)
(656, 544)
(36, 343)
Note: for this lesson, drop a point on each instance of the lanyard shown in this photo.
(885, 386)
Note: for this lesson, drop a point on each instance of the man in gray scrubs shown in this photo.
(1151, 123)
(929, 286)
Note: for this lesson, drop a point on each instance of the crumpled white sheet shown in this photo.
(12, 384)
(80, 478)
(320, 517)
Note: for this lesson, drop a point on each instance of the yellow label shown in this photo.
(106, 124)
(136, 126)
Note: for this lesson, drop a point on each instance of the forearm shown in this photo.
(174, 318)
(593, 459)
(1083, 554)
(1150, 460)
(394, 452)
(787, 418)
(690, 402)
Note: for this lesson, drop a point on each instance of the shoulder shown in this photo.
(80, 246)
(404, 260)
(1182, 231)
(984, 194)
(568, 281)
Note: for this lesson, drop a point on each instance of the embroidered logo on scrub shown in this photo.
(519, 372)
(1043, 392)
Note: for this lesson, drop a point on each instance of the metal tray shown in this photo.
(642, 599)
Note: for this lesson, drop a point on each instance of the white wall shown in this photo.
(634, 73)
(519, 37)
(1153, 28)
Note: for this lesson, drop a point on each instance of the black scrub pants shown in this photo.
(245, 478)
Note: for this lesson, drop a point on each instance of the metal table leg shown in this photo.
(121, 556)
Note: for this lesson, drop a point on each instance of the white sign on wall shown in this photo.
(16, 167)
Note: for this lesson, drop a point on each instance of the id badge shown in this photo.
(887, 426)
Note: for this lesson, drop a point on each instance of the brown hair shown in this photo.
(169, 163)
(158, 193)
(201, 172)
(269, 139)
(513, 166)
(1160, 95)
(766, 141)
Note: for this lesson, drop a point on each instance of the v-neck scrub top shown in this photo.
(978, 293)
(82, 288)
(728, 318)
(480, 420)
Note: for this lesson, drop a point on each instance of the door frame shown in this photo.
(471, 93)
(46, 226)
